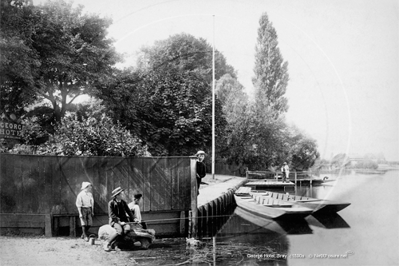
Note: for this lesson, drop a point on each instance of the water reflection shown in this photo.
(261, 241)
(251, 241)
(291, 226)
(327, 221)
(365, 228)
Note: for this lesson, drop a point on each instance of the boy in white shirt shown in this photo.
(85, 205)
(135, 208)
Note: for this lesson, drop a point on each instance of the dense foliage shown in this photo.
(169, 111)
(185, 54)
(53, 53)
(92, 136)
(18, 62)
(167, 100)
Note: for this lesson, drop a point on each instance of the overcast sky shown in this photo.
(342, 55)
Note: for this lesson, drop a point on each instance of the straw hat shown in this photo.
(116, 191)
(199, 153)
(85, 185)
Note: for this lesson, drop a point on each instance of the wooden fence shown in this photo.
(47, 186)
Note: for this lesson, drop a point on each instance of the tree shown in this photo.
(18, 62)
(238, 146)
(71, 49)
(269, 139)
(367, 164)
(184, 53)
(271, 72)
(170, 111)
(303, 150)
(167, 99)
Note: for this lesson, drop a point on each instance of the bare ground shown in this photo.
(66, 251)
(59, 251)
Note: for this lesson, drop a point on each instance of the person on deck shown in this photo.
(285, 170)
(85, 205)
(201, 168)
(118, 212)
(135, 208)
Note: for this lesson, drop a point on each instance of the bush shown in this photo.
(92, 136)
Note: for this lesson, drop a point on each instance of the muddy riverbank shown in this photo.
(60, 251)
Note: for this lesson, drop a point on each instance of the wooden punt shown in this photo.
(268, 207)
(317, 205)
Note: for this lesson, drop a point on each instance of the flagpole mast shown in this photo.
(213, 101)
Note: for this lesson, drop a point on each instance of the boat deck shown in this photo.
(268, 207)
(269, 184)
(318, 205)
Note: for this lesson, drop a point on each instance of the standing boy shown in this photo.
(85, 205)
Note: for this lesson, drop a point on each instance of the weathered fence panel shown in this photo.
(31, 184)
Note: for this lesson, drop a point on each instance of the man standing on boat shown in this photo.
(285, 170)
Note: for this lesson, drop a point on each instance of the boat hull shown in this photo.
(280, 226)
(317, 205)
(271, 212)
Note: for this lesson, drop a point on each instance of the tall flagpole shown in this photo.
(213, 101)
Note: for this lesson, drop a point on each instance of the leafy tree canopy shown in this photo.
(170, 111)
(18, 62)
(65, 52)
(184, 53)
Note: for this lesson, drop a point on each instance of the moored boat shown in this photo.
(317, 205)
(268, 207)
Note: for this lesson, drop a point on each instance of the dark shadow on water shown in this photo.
(282, 226)
(327, 220)
(295, 226)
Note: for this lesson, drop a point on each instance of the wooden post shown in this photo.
(72, 226)
(182, 223)
(47, 225)
(214, 250)
(194, 195)
(190, 224)
(56, 221)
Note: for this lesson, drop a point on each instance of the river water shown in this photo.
(364, 233)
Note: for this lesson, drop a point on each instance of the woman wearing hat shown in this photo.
(85, 205)
(117, 212)
(201, 168)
